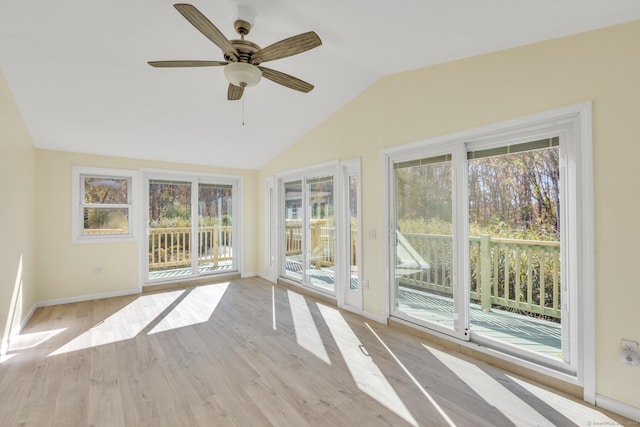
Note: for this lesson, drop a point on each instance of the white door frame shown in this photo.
(195, 179)
(581, 234)
(350, 299)
(271, 237)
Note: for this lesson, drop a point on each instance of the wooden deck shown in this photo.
(530, 333)
(182, 272)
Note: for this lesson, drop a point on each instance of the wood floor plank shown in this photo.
(105, 401)
(214, 357)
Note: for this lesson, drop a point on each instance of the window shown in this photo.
(102, 204)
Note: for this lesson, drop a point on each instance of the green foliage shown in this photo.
(514, 196)
(165, 222)
(105, 190)
(181, 222)
(540, 231)
(175, 210)
(434, 226)
(101, 219)
(543, 231)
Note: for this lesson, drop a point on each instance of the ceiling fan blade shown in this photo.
(234, 92)
(287, 47)
(205, 26)
(187, 63)
(286, 80)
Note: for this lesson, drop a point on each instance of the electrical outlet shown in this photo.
(629, 346)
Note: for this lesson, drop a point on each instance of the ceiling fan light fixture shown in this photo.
(242, 74)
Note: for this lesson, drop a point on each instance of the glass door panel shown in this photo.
(169, 229)
(354, 284)
(321, 232)
(424, 244)
(514, 228)
(293, 261)
(215, 248)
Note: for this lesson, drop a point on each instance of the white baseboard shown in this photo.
(4, 347)
(374, 317)
(245, 275)
(620, 408)
(351, 309)
(59, 301)
(265, 277)
(26, 318)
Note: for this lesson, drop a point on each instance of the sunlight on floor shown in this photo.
(307, 334)
(14, 315)
(196, 307)
(123, 324)
(273, 306)
(494, 393)
(24, 341)
(576, 412)
(4, 358)
(366, 374)
(424, 392)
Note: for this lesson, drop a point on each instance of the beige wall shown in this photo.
(602, 66)
(66, 269)
(17, 207)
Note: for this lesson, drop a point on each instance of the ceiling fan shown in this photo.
(242, 57)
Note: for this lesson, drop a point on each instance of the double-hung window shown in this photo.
(102, 204)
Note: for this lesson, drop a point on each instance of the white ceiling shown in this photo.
(78, 68)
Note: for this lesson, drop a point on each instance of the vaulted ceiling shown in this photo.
(78, 69)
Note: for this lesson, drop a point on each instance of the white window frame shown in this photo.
(77, 201)
(579, 257)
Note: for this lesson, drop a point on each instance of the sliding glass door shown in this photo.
(190, 226)
(476, 243)
(308, 232)
(293, 236)
(321, 233)
(169, 229)
(425, 277)
(316, 234)
(215, 227)
(515, 210)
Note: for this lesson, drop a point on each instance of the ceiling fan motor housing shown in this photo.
(243, 73)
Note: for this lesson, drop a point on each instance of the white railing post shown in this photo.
(485, 273)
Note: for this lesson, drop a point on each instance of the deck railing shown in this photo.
(322, 234)
(519, 275)
(171, 247)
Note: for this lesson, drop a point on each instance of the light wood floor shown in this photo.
(247, 353)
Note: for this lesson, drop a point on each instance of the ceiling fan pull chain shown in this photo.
(243, 109)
